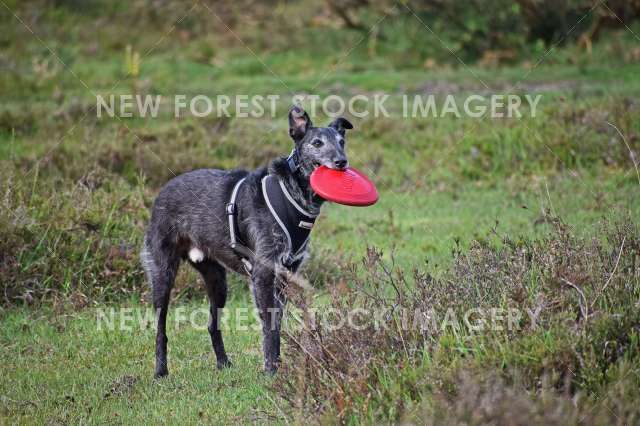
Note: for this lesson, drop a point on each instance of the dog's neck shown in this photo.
(298, 184)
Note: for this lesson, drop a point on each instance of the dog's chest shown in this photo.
(294, 222)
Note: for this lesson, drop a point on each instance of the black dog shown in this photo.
(256, 222)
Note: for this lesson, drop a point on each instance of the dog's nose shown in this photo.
(340, 164)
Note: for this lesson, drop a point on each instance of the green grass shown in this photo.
(64, 369)
(60, 367)
(427, 225)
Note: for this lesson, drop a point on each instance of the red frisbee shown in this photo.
(350, 186)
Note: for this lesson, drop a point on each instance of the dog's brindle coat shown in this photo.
(189, 222)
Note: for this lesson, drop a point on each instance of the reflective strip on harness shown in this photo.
(295, 222)
(232, 213)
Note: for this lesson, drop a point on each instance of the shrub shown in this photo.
(580, 340)
(493, 29)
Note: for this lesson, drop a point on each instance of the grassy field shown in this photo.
(102, 376)
(463, 200)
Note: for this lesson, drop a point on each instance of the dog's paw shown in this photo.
(221, 365)
(270, 369)
(161, 372)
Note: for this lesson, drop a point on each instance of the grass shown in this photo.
(102, 376)
(76, 191)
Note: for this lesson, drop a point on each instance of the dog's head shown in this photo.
(318, 146)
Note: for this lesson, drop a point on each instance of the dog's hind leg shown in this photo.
(215, 281)
(161, 266)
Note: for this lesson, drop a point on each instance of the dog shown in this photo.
(219, 220)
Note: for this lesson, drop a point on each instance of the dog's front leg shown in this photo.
(270, 308)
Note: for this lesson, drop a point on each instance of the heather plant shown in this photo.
(580, 333)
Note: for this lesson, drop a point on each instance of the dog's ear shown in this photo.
(341, 124)
(299, 123)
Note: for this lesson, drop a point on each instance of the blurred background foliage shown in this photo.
(493, 31)
(498, 23)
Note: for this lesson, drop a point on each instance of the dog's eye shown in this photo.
(317, 143)
(341, 143)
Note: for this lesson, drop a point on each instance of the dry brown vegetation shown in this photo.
(558, 366)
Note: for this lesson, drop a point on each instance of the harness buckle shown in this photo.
(231, 209)
(287, 260)
(248, 267)
(306, 225)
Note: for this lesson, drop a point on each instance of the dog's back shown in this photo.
(189, 213)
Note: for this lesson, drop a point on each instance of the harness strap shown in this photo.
(246, 255)
(294, 220)
(296, 223)
(292, 160)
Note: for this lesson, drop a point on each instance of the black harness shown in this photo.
(295, 222)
